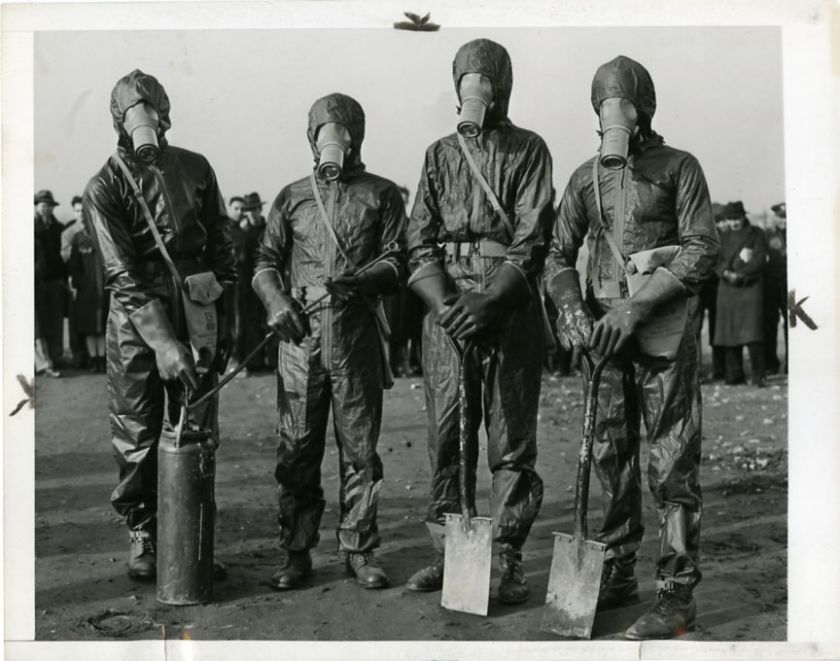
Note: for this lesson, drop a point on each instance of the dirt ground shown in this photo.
(82, 591)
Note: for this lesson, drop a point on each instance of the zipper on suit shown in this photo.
(618, 226)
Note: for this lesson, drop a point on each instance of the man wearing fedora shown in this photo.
(252, 325)
(740, 299)
(51, 276)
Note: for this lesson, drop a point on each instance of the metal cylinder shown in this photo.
(186, 509)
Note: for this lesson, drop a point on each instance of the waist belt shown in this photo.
(482, 247)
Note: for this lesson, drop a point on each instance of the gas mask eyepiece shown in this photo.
(618, 123)
(141, 123)
(332, 143)
(476, 92)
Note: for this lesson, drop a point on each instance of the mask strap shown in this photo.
(325, 218)
(494, 201)
(147, 214)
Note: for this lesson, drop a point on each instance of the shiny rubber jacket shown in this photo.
(181, 191)
(666, 202)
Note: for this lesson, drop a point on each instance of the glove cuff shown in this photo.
(268, 285)
(381, 279)
(429, 282)
(509, 284)
(152, 324)
(564, 288)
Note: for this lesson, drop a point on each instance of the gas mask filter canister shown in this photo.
(332, 143)
(618, 122)
(141, 123)
(476, 92)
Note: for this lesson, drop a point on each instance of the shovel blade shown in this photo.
(573, 586)
(466, 567)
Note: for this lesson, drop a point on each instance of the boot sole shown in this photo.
(280, 587)
(146, 578)
(419, 588)
(513, 602)
(366, 586)
(629, 636)
(372, 586)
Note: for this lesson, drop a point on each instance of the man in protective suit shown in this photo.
(651, 198)
(476, 252)
(321, 230)
(150, 364)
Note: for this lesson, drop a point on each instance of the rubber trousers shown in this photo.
(337, 370)
(138, 401)
(504, 379)
(666, 395)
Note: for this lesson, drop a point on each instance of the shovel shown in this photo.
(576, 566)
(468, 541)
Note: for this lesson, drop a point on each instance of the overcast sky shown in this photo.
(241, 98)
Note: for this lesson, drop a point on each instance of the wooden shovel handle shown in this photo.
(463, 428)
(585, 456)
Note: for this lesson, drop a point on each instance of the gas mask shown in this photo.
(618, 124)
(476, 92)
(141, 123)
(332, 143)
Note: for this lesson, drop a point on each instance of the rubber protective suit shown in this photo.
(181, 191)
(666, 202)
(339, 364)
(454, 227)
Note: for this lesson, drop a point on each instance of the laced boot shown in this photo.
(428, 579)
(142, 561)
(619, 586)
(672, 615)
(293, 572)
(367, 570)
(513, 588)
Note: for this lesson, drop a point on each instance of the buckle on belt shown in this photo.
(479, 247)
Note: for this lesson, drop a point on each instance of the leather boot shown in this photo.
(142, 561)
(367, 571)
(513, 588)
(672, 615)
(293, 572)
(619, 586)
(428, 579)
